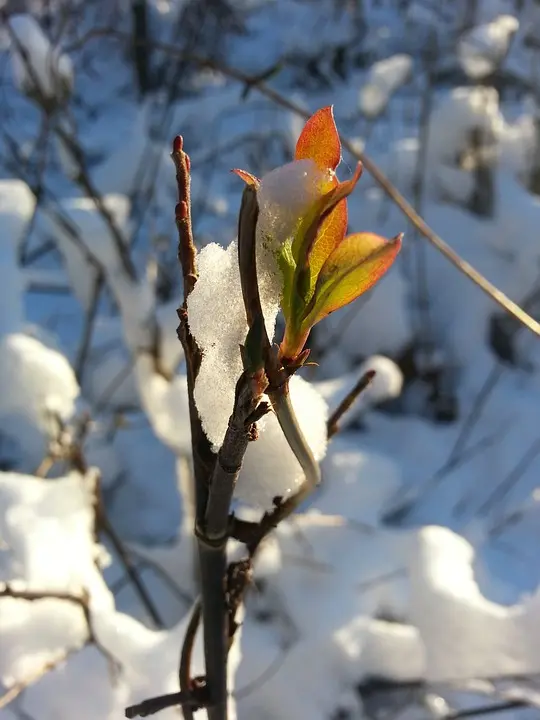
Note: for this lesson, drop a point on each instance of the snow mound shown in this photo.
(270, 468)
(36, 381)
(481, 50)
(94, 241)
(17, 205)
(385, 77)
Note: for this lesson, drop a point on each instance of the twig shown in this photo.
(423, 326)
(186, 244)
(130, 568)
(89, 323)
(192, 700)
(203, 458)
(332, 426)
(486, 710)
(278, 377)
(504, 487)
(213, 535)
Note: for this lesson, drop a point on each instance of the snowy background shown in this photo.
(408, 587)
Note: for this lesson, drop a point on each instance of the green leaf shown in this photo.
(349, 271)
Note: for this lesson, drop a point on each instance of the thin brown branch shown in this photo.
(203, 457)
(212, 564)
(347, 402)
(186, 244)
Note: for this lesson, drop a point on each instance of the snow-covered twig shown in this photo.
(67, 446)
(81, 599)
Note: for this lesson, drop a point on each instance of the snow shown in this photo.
(16, 208)
(385, 77)
(463, 110)
(51, 70)
(270, 468)
(481, 50)
(358, 328)
(37, 383)
(94, 245)
(386, 385)
(166, 404)
(43, 520)
(493, 640)
(217, 320)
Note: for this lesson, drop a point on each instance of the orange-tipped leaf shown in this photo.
(319, 140)
(247, 177)
(351, 270)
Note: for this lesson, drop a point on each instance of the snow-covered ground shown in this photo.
(415, 564)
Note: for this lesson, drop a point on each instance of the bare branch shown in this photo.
(348, 401)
